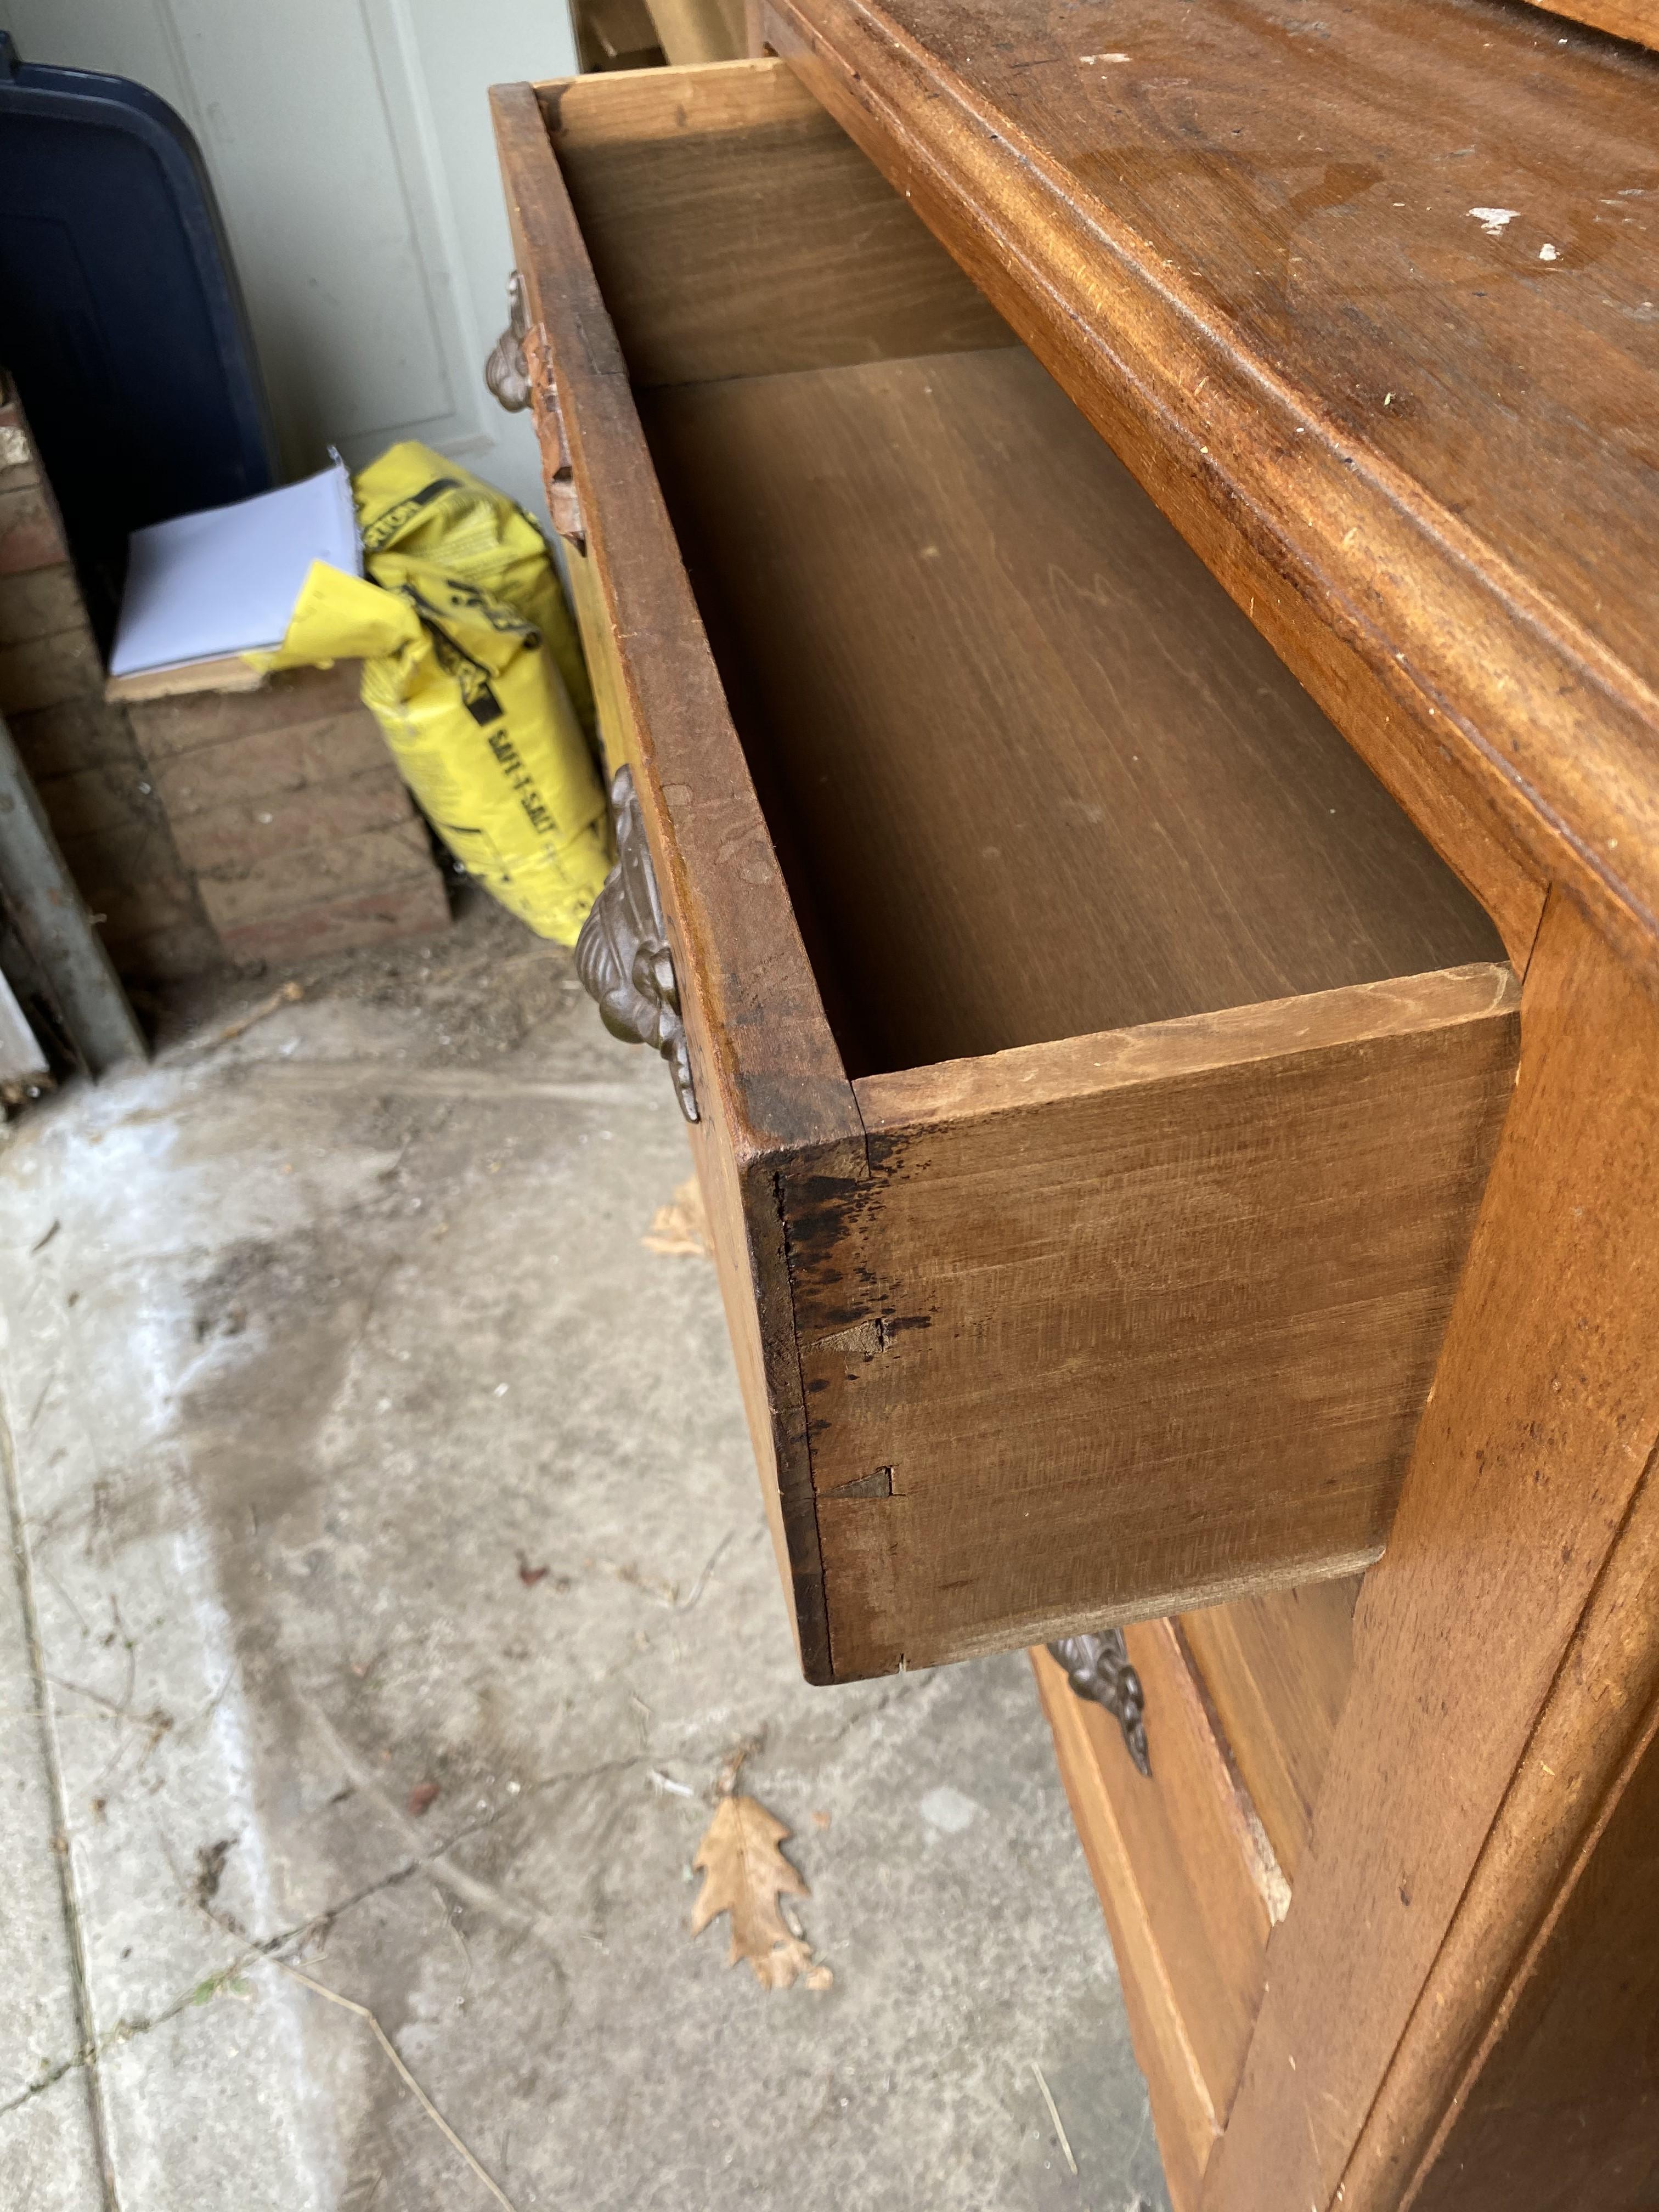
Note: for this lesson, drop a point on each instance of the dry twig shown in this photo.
(351, 2004)
(1053, 2114)
(287, 996)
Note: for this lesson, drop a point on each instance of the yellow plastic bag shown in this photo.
(472, 669)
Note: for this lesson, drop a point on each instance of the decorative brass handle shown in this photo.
(622, 955)
(1097, 1667)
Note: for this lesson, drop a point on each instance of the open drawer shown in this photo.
(1095, 1072)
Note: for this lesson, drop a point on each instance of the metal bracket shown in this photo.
(1097, 1668)
(519, 373)
(622, 955)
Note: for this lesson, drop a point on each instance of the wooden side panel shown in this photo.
(749, 1257)
(1545, 1414)
(1559, 2109)
(736, 230)
(600, 652)
(746, 1232)
(773, 1067)
(1138, 1319)
(771, 1085)
(1277, 1667)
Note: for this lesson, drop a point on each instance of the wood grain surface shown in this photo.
(1413, 439)
(1527, 2077)
(1095, 1769)
(748, 1257)
(1178, 1862)
(769, 1079)
(1521, 1480)
(1625, 19)
(773, 1066)
(1564, 2111)
(1138, 1320)
(736, 230)
(1196, 1861)
(690, 31)
(1041, 776)
(1277, 1668)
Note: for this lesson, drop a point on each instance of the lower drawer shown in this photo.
(1276, 1669)
(1188, 1883)
(1095, 1073)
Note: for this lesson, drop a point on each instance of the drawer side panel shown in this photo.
(770, 1087)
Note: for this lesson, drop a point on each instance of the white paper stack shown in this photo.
(205, 588)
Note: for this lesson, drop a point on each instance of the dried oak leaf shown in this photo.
(680, 1230)
(745, 1874)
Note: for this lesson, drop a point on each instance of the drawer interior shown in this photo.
(1029, 773)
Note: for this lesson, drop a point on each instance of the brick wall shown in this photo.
(213, 828)
(285, 806)
(80, 753)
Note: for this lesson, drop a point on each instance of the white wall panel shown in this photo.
(348, 142)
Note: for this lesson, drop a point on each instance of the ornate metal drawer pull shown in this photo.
(505, 372)
(622, 955)
(1099, 1667)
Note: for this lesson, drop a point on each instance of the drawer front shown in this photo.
(1142, 1321)
(1079, 1332)
(1188, 1883)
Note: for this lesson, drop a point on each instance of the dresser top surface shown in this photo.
(1414, 241)
(1439, 221)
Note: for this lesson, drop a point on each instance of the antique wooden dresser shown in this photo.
(1117, 540)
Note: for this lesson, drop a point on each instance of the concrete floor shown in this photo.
(316, 1346)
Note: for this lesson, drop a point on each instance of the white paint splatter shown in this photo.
(1492, 220)
(1103, 58)
(1547, 253)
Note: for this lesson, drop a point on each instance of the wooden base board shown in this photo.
(227, 671)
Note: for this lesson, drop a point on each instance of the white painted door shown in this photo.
(350, 144)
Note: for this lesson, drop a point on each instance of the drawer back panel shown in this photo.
(736, 230)
(1142, 1320)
